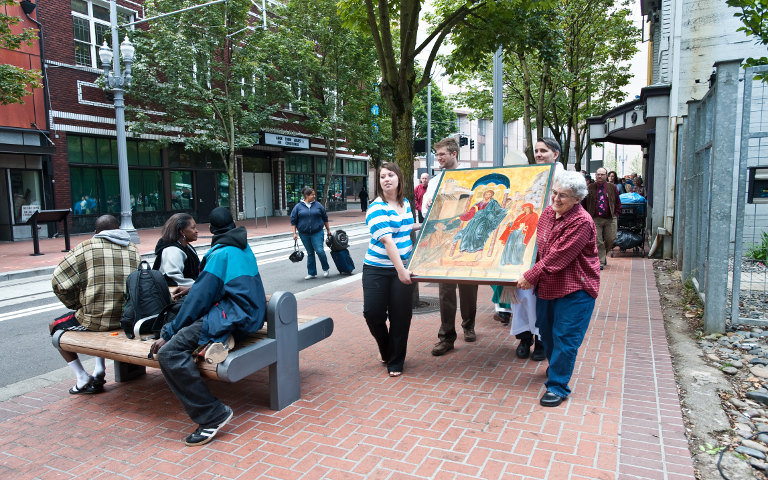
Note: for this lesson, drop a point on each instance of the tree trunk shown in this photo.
(527, 109)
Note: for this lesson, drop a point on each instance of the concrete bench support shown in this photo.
(276, 347)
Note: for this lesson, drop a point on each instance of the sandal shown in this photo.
(99, 381)
(88, 388)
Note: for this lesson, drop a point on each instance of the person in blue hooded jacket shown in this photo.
(226, 299)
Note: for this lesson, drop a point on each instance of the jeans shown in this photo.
(468, 304)
(562, 325)
(313, 243)
(184, 378)
(384, 295)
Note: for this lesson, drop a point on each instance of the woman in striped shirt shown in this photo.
(387, 286)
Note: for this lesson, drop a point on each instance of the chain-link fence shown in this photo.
(749, 273)
(714, 221)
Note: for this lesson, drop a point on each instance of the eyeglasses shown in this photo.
(560, 195)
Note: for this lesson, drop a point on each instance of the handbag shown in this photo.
(297, 254)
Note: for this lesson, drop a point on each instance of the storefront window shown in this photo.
(94, 191)
(299, 164)
(181, 190)
(147, 191)
(223, 189)
(322, 164)
(27, 197)
(294, 183)
(84, 190)
(357, 167)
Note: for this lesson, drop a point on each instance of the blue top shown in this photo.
(382, 221)
(228, 295)
(309, 219)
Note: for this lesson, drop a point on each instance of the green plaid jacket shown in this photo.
(91, 281)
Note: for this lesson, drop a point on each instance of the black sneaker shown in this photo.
(205, 434)
(524, 349)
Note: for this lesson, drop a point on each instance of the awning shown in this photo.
(26, 149)
(630, 123)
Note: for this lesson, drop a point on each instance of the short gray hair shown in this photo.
(573, 182)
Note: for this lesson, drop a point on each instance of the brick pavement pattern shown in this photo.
(470, 414)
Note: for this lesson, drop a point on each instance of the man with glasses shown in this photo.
(447, 154)
(604, 205)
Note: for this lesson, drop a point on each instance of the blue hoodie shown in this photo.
(228, 294)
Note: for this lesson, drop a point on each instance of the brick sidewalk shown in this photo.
(473, 413)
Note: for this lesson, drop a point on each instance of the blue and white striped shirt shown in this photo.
(382, 221)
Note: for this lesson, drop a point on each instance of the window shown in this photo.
(91, 26)
(481, 126)
(27, 196)
(223, 189)
(146, 191)
(299, 164)
(103, 151)
(294, 183)
(181, 190)
(357, 167)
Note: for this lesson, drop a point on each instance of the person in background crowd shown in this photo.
(614, 178)
(566, 277)
(387, 286)
(604, 204)
(447, 154)
(176, 258)
(363, 195)
(91, 281)
(418, 194)
(308, 218)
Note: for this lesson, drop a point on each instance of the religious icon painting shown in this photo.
(481, 227)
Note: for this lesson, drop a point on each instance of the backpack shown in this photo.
(338, 241)
(146, 296)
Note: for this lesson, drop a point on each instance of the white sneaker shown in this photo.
(310, 277)
(326, 273)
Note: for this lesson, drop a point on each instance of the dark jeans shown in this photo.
(384, 295)
(313, 242)
(562, 324)
(468, 303)
(184, 378)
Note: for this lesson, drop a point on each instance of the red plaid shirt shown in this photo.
(567, 255)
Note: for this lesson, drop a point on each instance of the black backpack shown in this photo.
(338, 241)
(146, 296)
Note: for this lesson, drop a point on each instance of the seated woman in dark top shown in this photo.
(176, 259)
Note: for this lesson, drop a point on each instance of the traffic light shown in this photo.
(462, 140)
(471, 144)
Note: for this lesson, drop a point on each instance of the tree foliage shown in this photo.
(15, 82)
(754, 17)
(393, 27)
(564, 62)
(208, 72)
(443, 117)
(332, 74)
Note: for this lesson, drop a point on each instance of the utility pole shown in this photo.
(429, 128)
(498, 111)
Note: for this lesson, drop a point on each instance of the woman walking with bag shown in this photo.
(308, 218)
(387, 286)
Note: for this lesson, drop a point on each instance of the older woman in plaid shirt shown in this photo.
(566, 276)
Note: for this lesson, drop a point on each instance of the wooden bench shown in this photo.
(276, 346)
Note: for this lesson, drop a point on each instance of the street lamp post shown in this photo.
(118, 82)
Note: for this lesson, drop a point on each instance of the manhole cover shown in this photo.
(427, 305)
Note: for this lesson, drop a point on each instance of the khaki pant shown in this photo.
(606, 235)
